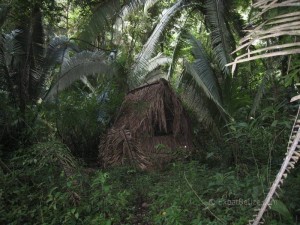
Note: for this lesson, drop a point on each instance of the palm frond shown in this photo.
(206, 84)
(151, 72)
(30, 38)
(130, 8)
(101, 20)
(221, 38)
(202, 71)
(259, 94)
(57, 53)
(149, 47)
(203, 78)
(119, 25)
(125, 11)
(175, 56)
(26, 63)
(86, 82)
(35, 52)
(148, 4)
(119, 146)
(82, 64)
(238, 23)
(11, 47)
(178, 47)
(57, 50)
(4, 10)
(197, 101)
(284, 24)
(295, 98)
(157, 61)
(36, 31)
(148, 68)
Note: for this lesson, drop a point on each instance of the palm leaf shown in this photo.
(284, 24)
(146, 53)
(4, 10)
(120, 146)
(259, 94)
(56, 54)
(125, 11)
(31, 40)
(206, 84)
(157, 61)
(220, 35)
(151, 72)
(9, 48)
(57, 51)
(295, 98)
(101, 20)
(202, 71)
(175, 56)
(204, 77)
(177, 48)
(86, 82)
(82, 64)
(197, 101)
(148, 4)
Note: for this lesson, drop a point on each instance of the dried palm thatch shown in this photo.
(286, 23)
(151, 116)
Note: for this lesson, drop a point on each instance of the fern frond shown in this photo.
(82, 64)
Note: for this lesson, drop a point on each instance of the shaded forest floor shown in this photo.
(183, 193)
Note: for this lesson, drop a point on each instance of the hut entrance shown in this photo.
(169, 115)
(150, 116)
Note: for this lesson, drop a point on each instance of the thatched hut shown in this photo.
(152, 126)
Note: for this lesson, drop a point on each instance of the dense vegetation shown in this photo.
(65, 67)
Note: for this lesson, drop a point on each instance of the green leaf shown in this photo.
(220, 34)
(137, 75)
(82, 64)
(279, 207)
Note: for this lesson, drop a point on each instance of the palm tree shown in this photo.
(110, 20)
(28, 65)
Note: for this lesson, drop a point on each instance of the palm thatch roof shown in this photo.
(151, 127)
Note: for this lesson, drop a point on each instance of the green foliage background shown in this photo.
(49, 168)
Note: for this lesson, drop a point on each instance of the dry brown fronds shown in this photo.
(150, 115)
